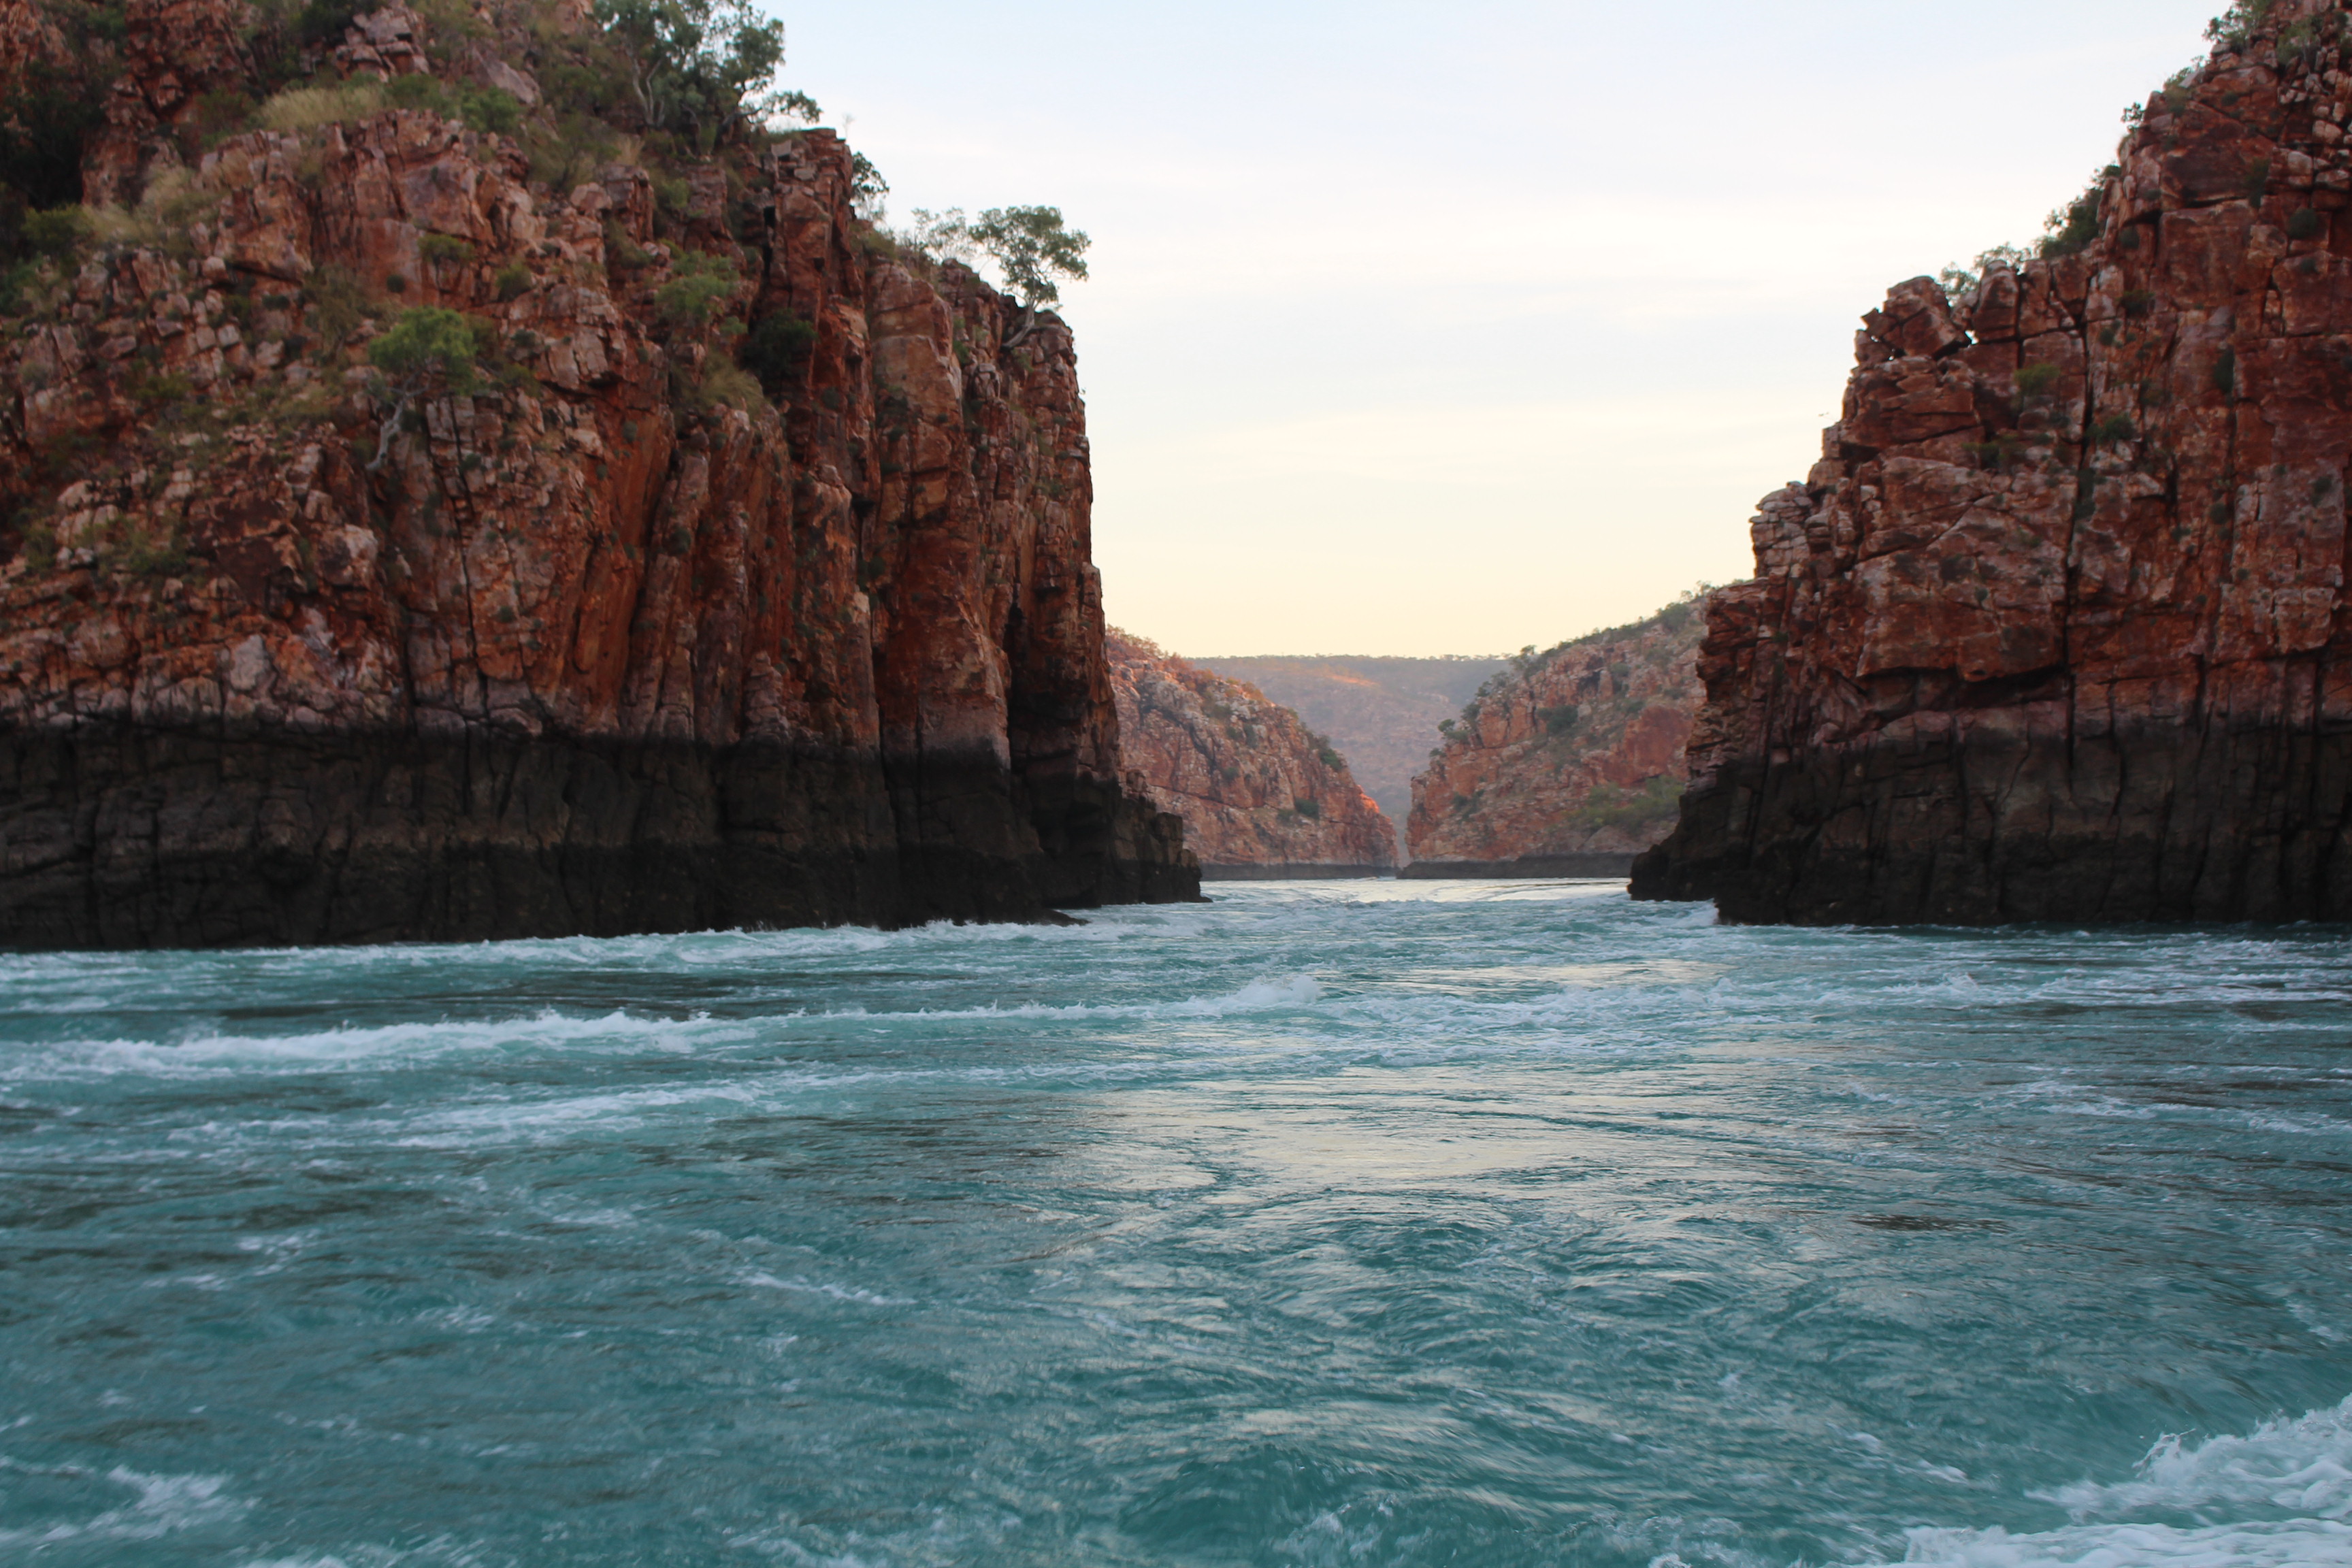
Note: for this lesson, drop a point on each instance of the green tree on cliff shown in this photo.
(701, 66)
(428, 353)
(1033, 247)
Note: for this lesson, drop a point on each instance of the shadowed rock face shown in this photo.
(604, 645)
(2056, 629)
(1253, 786)
(1574, 752)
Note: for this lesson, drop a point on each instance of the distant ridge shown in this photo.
(1381, 711)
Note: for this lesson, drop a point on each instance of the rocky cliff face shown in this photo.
(1578, 751)
(2056, 629)
(1253, 786)
(563, 624)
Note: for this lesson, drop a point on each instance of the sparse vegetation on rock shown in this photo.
(1575, 749)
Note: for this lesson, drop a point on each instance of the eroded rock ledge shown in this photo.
(2056, 629)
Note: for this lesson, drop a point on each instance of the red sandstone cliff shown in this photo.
(608, 638)
(2056, 629)
(1578, 751)
(1254, 784)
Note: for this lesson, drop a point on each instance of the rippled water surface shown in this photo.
(1328, 1224)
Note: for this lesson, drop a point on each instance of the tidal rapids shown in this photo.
(1328, 1224)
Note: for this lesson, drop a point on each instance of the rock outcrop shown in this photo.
(397, 550)
(1259, 791)
(2056, 629)
(1568, 759)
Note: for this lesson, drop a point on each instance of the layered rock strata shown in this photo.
(587, 634)
(2056, 629)
(1260, 793)
(1567, 763)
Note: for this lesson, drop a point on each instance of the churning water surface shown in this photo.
(1329, 1223)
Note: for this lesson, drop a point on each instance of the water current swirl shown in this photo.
(1329, 1223)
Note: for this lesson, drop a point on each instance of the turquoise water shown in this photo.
(1329, 1224)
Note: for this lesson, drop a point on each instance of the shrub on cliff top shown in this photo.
(1033, 249)
(2234, 28)
(866, 187)
(1031, 246)
(697, 65)
(1960, 282)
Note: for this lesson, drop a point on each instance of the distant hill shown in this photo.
(1381, 713)
(1574, 752)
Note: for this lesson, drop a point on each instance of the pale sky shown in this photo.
(1423, 329)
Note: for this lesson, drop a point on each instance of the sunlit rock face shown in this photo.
(2056, 628)
(1255, 786)
(1573, 752)
(616, 639)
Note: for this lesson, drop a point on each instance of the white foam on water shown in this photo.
(2301, 1467)
(442, 1551)
(768, 1282)
(2304, 1465)
(2304, 1543)
(377, 1046)
(326, 1049)
(1271, 995)
(163, 1505)
(562, 1113)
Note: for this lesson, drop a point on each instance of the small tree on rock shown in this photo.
(1031, 246)
(1033, 249)
(428, 353)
